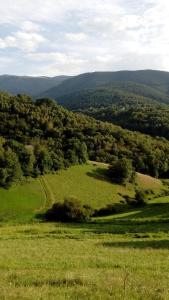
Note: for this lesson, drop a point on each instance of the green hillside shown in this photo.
(154, 79)
(27, 84)
(152, 119)
(133, 106)
(42, 137)
(117, 93)
(86, 183)
(104, 96)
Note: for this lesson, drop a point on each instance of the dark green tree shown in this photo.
(10, 168)
(121, 171)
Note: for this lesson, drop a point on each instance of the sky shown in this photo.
(69, 37)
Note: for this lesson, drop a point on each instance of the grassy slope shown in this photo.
(147, 182)
(86, 182)
(20, 203)
(119, 257)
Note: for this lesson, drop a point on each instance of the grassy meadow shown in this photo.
(20, 203)
(123, 256)
(85, 182)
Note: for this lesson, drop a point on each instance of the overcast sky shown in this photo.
(54, 37)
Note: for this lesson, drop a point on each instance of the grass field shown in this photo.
(125, 256)
(120, 257)
(87, 184)
(20, 203)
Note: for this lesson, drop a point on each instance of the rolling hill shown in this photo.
(131, 105)
(21, 203)
(158, 80)
(108, 95)
(152, 119)
(27, 84)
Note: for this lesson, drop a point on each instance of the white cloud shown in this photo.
(53, 10)
(56, 63)
(76, 37)
(29, 26)
(26, 41)
(87, 35)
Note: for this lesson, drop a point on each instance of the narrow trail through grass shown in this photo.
(50, 199)
(44, 205)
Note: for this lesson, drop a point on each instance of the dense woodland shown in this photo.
(148, 119)
(128, 93)
(40, 137)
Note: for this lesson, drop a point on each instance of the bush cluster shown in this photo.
(71, 210)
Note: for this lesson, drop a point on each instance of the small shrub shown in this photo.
(71, 210)
(140, 198)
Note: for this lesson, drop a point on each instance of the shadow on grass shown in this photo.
(40, 217)
(157, 210)
(153, 218)
(160, 244)
(100, 174)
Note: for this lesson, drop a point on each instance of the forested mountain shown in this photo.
(28, 85)
(146, 83)
(157, 80)
(133, 106)
(39, 137)
(117, 93)
(104, 96)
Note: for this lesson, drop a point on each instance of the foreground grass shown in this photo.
(123, 256)
(90, 261)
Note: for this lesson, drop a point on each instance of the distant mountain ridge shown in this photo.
(158, 80)
(150, 84)
(27, 84)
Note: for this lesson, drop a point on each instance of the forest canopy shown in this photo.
(40, 136)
